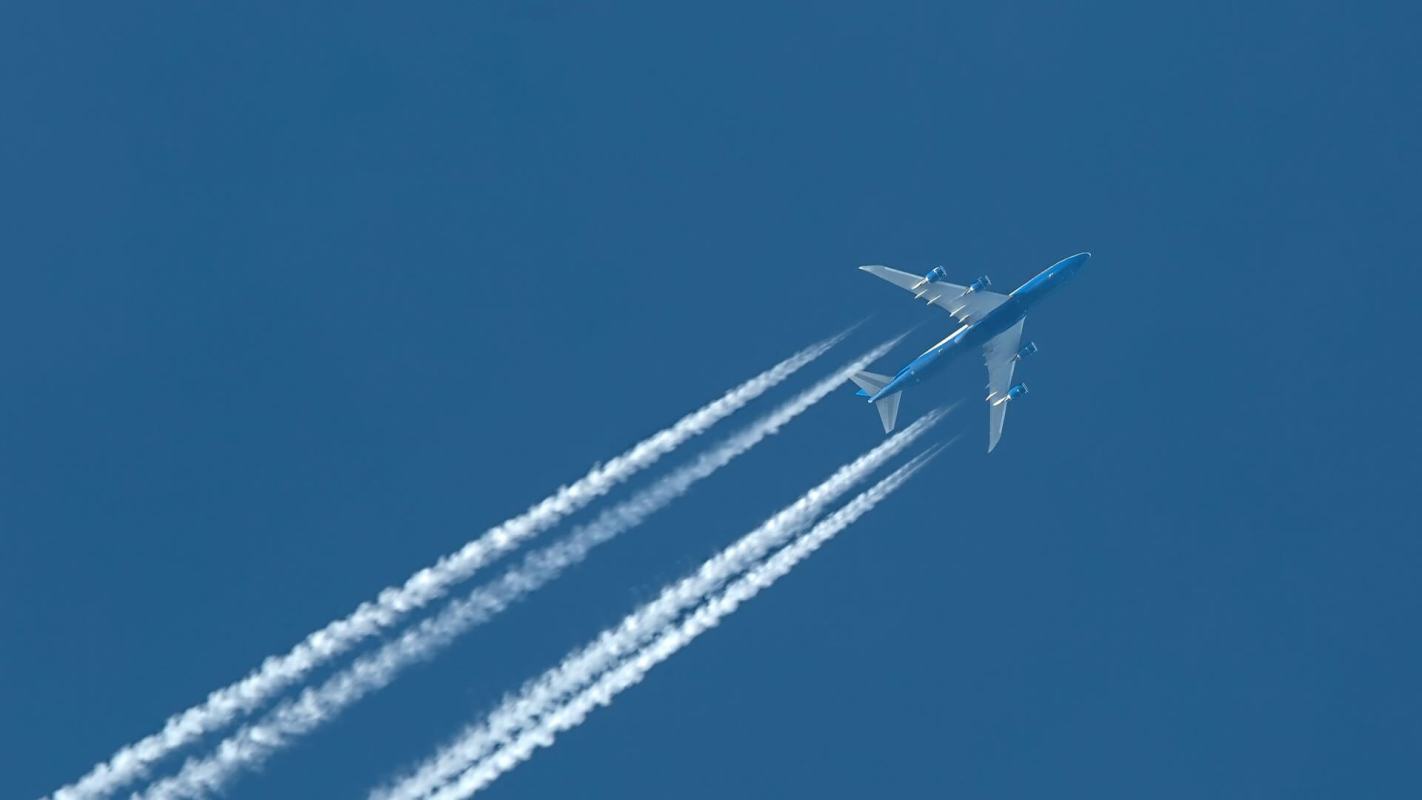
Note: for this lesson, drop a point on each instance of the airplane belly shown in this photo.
(968, 337)
(925, 365)
(994, 324)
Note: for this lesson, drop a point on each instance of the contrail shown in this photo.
(554, 687)
(672, 638)
(392, 604)
(254, 743)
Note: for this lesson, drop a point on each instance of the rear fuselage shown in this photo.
(974, 335)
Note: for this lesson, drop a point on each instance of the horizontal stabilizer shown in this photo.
(869, 385)
(889, 410)
(869, 382)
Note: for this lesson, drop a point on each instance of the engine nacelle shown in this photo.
(1010, 395)
(1027, 350)
(978, 285)
(932, 276)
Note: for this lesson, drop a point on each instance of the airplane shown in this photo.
(987, 319)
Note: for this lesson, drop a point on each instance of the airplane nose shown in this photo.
(1079, 260)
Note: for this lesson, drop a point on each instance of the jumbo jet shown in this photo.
(987, 319)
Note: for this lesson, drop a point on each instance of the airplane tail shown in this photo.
(870, 383)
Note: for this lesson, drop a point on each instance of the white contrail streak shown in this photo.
(254, 743)
(539, 696)
(276, 673)
(671, 638)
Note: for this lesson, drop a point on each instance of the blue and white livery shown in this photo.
(987, 319)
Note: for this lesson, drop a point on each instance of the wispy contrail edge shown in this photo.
(635, 630)
(254, 743)
(276, 673)
(630, 671)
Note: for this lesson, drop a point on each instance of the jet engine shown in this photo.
(1012, 394)
(978, 285)
(1027, 350)
(932, 276)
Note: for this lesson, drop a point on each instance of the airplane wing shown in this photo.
(965, 306)
(1000, 353)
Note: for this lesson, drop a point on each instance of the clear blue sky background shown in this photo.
(296, 298)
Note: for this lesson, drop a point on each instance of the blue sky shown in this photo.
(297, 299)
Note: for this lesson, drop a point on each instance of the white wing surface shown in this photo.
(965, 306)
(1000, 354)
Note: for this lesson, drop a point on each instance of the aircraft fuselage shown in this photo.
(976, 334)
